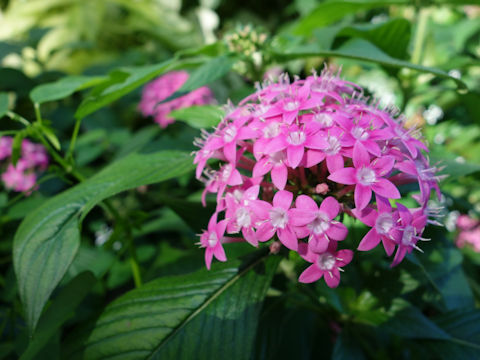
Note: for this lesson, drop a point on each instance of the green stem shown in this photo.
(137, 277)
(71, 147)
(18, 118)
(38, 115)
(420, 36)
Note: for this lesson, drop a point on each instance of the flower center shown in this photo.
(320, 224)
(227, 171)
(271, 130)
(366, 176)
(408, 235)
(359, 133)
(279, 218)
(323, 119)
(384, 223)
(229, 134)
(326, 261)
(243, 217)
(277, 158)
(296, 138)
(334, 146)
(212, 239)
(291, 105)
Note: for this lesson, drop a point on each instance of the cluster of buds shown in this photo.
(247, 42)
(22, 176)
(469, 232)
(296, 157)
(163, 87)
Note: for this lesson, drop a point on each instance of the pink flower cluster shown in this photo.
(165, 86)
(469, 232)
(22, 177)
(296, 157)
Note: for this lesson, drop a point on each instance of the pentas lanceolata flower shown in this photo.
(22, 176)
(469, 232)
(165, 86)
(295, 157)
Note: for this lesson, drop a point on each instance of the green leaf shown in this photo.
(3, 104)
(204, 75)
(59, 311)
(329, 12)
(199, 117)
(347, 346)
(48, 238)
(17, 146)
(464, 327)
(120, 83)
(207, 314)
(63, 88)
(410, 323)
(392, 37)
(363, 50)
(50, 135)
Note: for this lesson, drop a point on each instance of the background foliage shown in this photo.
(101, 262)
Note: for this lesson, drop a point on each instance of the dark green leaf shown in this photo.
(329, 12)
(120, 83)
(199, 117)
(59, 311)
(207, 314)
(363, 50)
(410, 323)
(63, 88)
(3, 104)
(48, 239)
(346, 346)
(392, 37)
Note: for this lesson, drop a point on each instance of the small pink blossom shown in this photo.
(318, 145)
(327, 264)
(163, 87)
(211, 240)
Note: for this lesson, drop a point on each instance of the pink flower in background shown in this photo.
(212, 239)
(469, 232)
(165, 86)
(22, 177)
(295, 158)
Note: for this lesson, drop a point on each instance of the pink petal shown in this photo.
(283, 199)
(305, 202)
(220, 228)
(311, 274)
(372, 147)
(362, 196)
(385, 188)
(388, 245)
(279, 176)
(276, 144)
(295, 155)
(262, 167)
(260, 208)
(337, 232)
(230, 151)
(208, 257)
(246, 133)
(250, 236)
(400, 254)
(318, 142)
(383, 165)
(345, 257)
(383, 205)
(288, 238)
(219, 252)
(360, 156)
(369, 241)
(301, 217)
(330, 206)
(265, 232)
(344, 176)
(368, 216)
(332, 278)
(318, 244)
(314, 157)
(334, 163)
